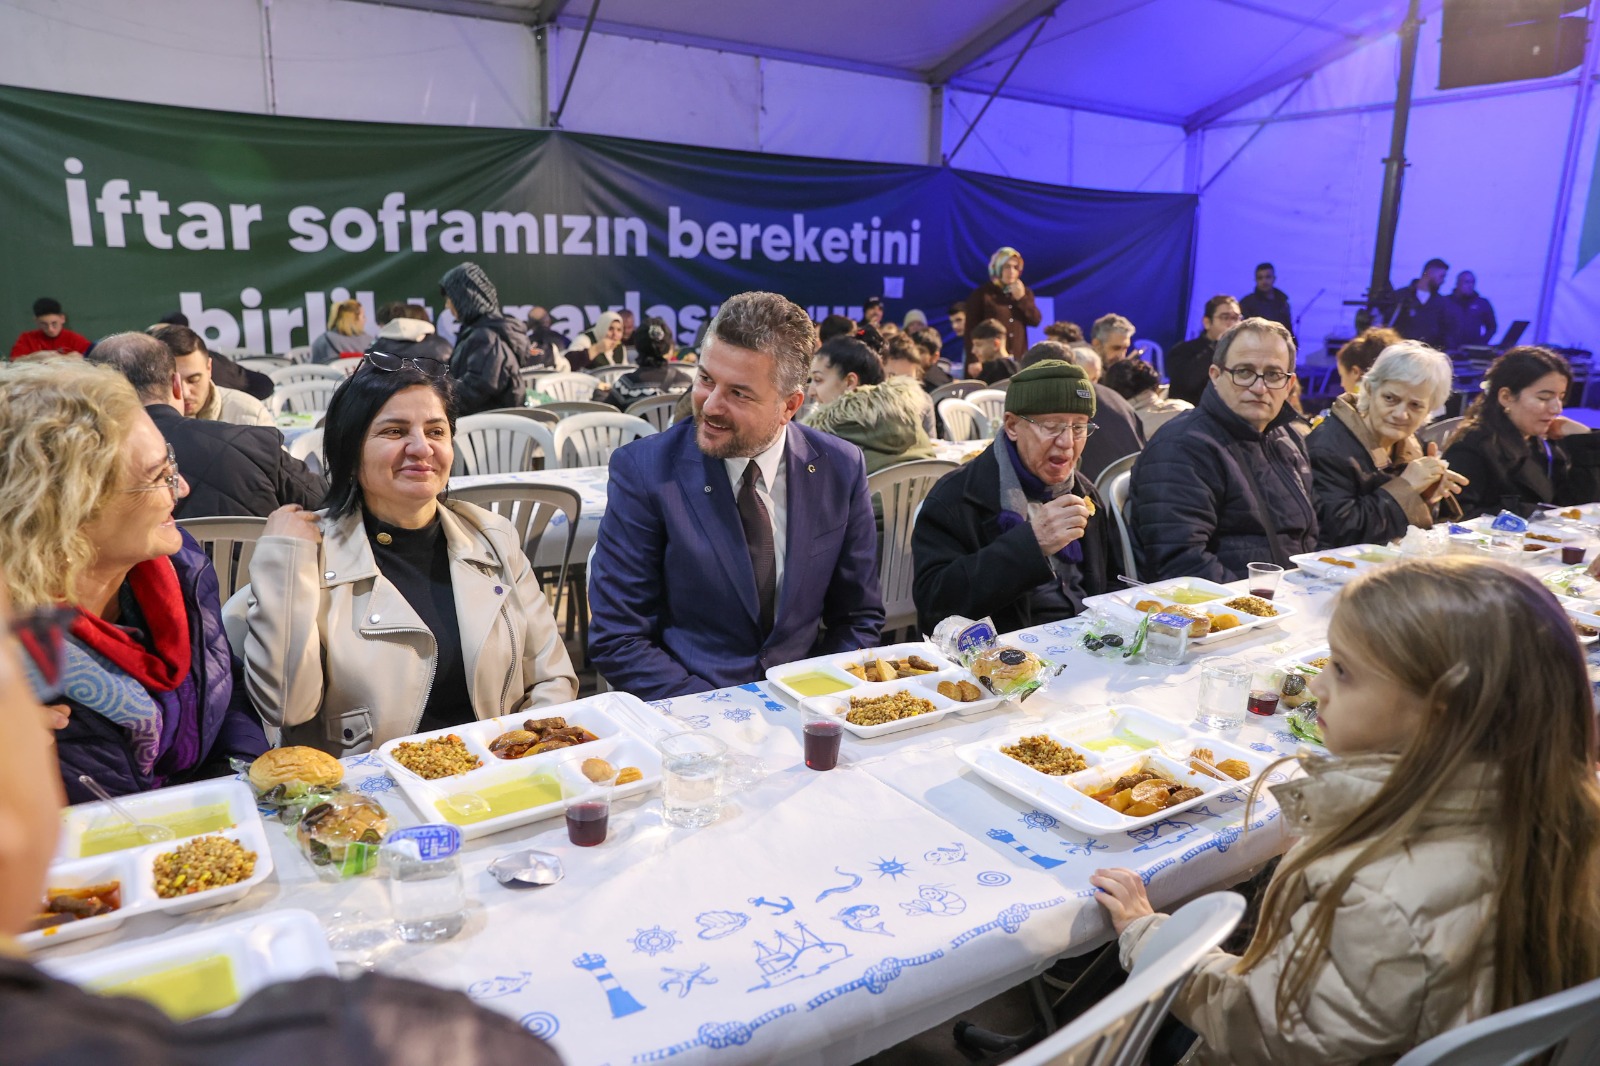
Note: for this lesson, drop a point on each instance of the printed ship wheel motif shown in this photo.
(654, 941)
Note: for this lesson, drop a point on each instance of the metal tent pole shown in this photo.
(1394, 167)
(1569, 177)
(583, 42)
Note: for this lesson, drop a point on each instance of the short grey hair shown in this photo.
(1261, 327)
(1409, 363)
(1106, 325)
(1087, 358)
(146, 362)
(773, 325)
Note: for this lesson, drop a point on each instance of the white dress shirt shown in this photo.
(772, 488)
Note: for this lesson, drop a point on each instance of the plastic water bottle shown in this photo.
(426, 890)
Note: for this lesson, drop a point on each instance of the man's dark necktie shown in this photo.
(758, 538)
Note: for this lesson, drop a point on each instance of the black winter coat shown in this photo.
(1120, 433)
(231, 375)
(1357, 503)
(964, 565)
(1188, 366)
(488, 354)
(1194, 511)
(235, 470)
(316, 1021)
(1508, 474)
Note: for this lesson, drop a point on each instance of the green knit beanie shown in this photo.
(1051, 387)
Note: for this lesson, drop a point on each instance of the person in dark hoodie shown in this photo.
(490, 348)
(404, 330)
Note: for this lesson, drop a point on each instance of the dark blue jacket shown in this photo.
(671, 589)
(90, 744)
(1192, 507)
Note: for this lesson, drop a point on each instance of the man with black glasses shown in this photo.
(1228, 483)
(1018, 534)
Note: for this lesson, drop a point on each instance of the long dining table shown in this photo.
(824, 916)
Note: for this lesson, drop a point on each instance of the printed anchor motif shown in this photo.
(946, 856)
(855, 883)
(1005, 836)
(620, 999)
(495, 987)
(936, 900)
(791, 957)
(718, 1035)
(876, 979)
(654, 941)
(857, 917)
(777, 908)
(684, 980)
(714, 925)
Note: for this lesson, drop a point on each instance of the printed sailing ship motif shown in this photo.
(792, 956)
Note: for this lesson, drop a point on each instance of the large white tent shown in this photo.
(1276, 112)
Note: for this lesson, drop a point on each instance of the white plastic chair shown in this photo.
(1113, 468)
(530, 509)
(1567, 1022)
(307, 447)
(567, 386)
(956, 390)
(1117, 1031)
(302, 396)
(302, 354)
(992, 402)
(589, 440)
(263, 364)
(566, 408)
(609, 374)
(230, 543)
(902, 488)
(1115, 493)
(656, 410)
(963, 421)
(288, 375)
(502, 444)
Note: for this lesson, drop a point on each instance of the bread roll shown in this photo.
(306, 765)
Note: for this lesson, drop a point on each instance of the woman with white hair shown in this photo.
(1371, 477)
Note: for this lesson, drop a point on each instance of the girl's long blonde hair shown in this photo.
(63, 427)
(1494, 660)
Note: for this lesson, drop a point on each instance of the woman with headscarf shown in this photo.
(654, 377)
(1005, 299)
(600, 345)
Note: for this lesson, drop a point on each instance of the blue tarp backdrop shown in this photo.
(252, 224)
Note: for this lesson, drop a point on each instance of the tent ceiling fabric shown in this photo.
(1163, 60)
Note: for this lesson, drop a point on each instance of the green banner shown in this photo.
(253, 225)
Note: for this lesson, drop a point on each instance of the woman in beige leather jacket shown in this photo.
(1448, 860)
(395, 611)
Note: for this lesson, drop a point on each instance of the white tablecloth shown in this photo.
(826, 916)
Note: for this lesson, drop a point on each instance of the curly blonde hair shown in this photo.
(63, 428)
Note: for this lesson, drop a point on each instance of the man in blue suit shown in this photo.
(741, 540)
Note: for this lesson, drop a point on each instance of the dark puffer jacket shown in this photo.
(1193, 509)
(964, 565)
(91, 744)
(235, 471)
(1507, 473)
(490, 348)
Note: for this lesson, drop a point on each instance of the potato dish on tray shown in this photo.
(1219, 613)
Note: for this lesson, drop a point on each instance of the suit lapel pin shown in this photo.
(708, 488)
(811, 468)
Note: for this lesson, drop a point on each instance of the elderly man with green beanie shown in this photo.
(1018, 534)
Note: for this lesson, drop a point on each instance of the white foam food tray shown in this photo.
(261, 950)
(838, 705)
(134, 868)
(1173, 593)
(1562, 532)
(1342, 564)
(833, 666)
(1585, 611)
(621, 722)
(1115, 742)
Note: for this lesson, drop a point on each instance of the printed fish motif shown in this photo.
(946, 856)
(495, 987)
(857, 917)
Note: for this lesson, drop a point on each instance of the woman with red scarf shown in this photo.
(146, 695)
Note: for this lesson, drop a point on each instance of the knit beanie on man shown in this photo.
(1051, 387)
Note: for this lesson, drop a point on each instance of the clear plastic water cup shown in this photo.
(426, 890)
(692, 767)
(1224, 693)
